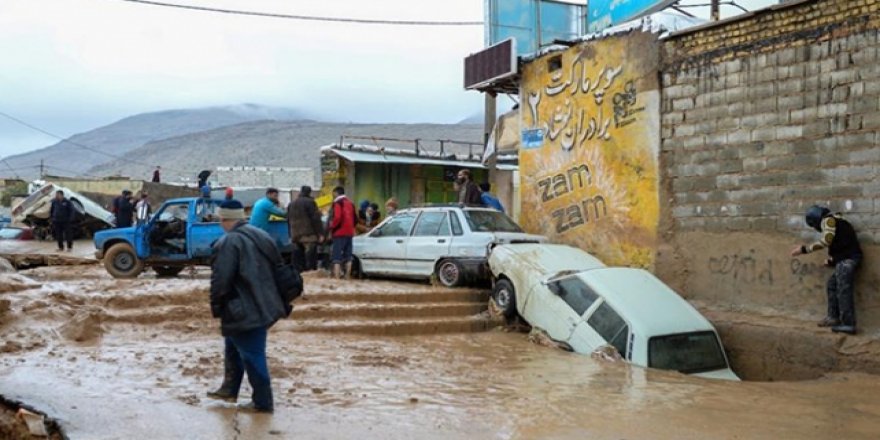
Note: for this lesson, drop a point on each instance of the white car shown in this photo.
(583, 304)
(450, 242)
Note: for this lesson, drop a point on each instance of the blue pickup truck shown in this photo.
(181, 233)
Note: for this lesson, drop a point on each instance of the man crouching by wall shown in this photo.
(845, 256)
(244, 297)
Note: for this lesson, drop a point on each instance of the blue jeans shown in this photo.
(341, 252)
(246, 351)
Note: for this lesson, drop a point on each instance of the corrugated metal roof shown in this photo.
(362, 157)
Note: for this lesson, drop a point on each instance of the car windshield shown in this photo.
(490, 221)
(687, 352)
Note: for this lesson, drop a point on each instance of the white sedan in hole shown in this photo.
(583, 304)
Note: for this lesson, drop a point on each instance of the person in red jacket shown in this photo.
(342, 224)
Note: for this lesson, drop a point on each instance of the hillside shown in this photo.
(123, 136)
(265, 143)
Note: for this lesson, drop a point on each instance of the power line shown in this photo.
(85, 147)
(11, 169)
(310, 17)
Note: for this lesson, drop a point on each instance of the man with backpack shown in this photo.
(247, 299)
(343, 219)
(845, 256)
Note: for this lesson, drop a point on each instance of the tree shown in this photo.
(16, 189)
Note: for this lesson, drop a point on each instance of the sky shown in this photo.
(69, 66)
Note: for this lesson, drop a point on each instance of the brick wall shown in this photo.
(761, 118)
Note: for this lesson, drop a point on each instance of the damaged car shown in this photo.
(33, 211)
(584, 305)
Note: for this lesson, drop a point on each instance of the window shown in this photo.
(206, 211)
(432, 224)
(610, 327)
(575, 293)
(175, 212)
(398, 226)
(456, 224)
(490, 221)
(687, 352)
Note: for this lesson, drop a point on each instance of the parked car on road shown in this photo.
(583, 304)
(451, 242)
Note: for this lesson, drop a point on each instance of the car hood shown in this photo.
(723, 374)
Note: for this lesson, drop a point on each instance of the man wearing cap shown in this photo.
(306, 229)
(245, 299)
(845, 256)
(266, 207)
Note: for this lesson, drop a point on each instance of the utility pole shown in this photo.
(42, 169)
(715, 10)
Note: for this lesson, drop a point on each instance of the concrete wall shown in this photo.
(761, 118)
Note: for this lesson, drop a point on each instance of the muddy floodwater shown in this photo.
(133, 359)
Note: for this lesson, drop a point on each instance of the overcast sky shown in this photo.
(69, 66)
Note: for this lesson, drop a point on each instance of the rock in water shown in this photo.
(606, 353)
(84, 326)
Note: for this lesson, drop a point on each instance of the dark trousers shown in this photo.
(841, 301)
(305, 256)
(63, 233)
(246, 352)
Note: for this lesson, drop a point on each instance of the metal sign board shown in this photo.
(521, 19)
(602, 14)
(490, 65)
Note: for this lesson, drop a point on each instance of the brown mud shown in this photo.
(133, 359)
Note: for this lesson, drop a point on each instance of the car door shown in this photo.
(383, 251)
(204, 228)
(561, 310)
(429, 242)
(603, 325)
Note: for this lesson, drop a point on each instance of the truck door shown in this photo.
(204, 228)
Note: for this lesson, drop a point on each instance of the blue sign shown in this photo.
(557, 20)
(602, 14)
(533, 138)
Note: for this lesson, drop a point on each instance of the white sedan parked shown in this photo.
(450, 242)
(583, 304)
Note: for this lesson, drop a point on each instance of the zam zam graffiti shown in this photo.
(576, 214)
(572, 127)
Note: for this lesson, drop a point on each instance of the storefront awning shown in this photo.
(362, 157)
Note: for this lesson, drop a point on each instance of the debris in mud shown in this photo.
(84, 326)
(413, 400)
(606, 353)
(36, 423)
(13, 282)
(318, 390)
(10, 347)
(5, 306)
(6, 266)
(190, 399)
(540, 337)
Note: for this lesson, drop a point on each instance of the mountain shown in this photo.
(268, 143)
(109, 142)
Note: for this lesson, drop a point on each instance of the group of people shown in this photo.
(471, 194)
(127, 209)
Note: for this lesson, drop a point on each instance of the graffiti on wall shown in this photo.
(590, 136)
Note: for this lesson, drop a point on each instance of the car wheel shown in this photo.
(167, 271)
(449, 273)
(504, 296)
(121, 261)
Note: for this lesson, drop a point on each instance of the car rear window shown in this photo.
(490, 221)
(610, 327)
(686, 352)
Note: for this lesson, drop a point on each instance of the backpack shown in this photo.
(288, 280)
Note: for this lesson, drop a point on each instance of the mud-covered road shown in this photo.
(132, 359)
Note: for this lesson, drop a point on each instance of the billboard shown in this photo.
(602, 14)
(494, 63)
(591, 140)
(520, 19)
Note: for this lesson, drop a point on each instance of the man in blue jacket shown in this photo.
(62, 214)
(488, 199)
(245, 299)
(266, 207)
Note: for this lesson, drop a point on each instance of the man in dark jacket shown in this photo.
(62, 214)
(245, 298)
(468, 191)
(124, 209)
(845, 256)
(306, 230)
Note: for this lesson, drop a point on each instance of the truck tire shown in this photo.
(449, 273)
(167, 271)
(122, 262)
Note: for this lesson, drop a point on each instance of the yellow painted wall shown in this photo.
(590, 179)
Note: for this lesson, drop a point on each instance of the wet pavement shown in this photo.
(133, 358)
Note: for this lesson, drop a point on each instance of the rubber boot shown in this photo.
(348, 270)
